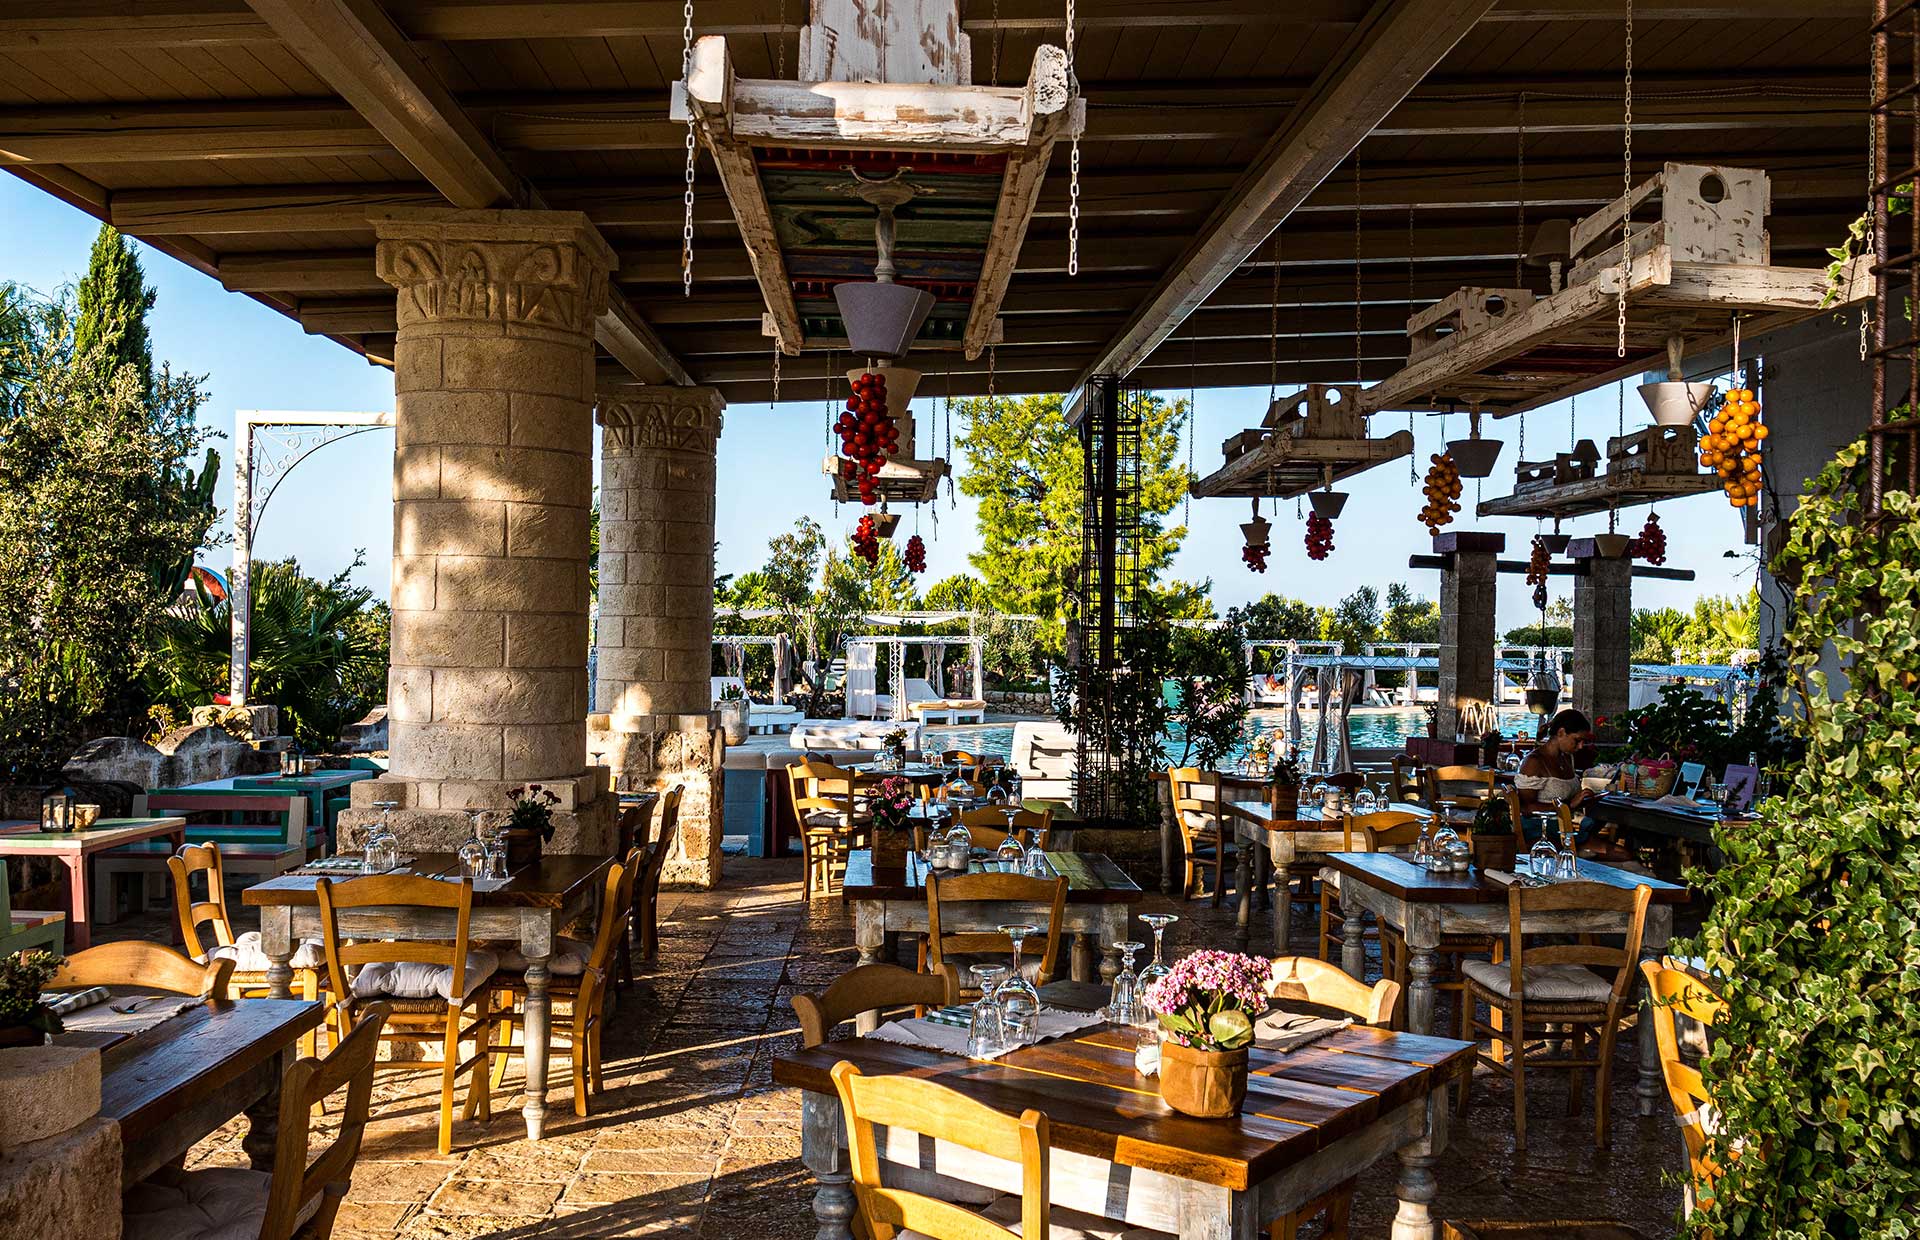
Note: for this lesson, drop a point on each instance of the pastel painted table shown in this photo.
(1424, 906)
(529, 911)
(76, 849)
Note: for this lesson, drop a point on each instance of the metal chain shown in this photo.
(1073, 159)
(1273, 325)
(1573, 422)
(995, 42)
(1873, 184)
(686, 226)
(1736, 342)
(1413, 471)
(1520, 207)
(776, 383)
(1193, 415)
(1522, 450)
(1356, 269)
(1626, 200)
(780, 45)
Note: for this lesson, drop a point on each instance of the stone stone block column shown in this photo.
(492, 485)
(1602, 632)
(655, 726)
(1468, 592)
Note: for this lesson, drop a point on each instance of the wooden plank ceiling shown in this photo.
(251, 138)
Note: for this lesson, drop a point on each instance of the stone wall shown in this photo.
(655, 752)
(183, 756)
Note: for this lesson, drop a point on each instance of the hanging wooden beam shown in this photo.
(145, 133)
(350, 271)
(1380, 65)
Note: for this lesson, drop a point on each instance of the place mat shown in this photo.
(949, 1039)
(1281, 1031)
(127, 1013)
(347, 864)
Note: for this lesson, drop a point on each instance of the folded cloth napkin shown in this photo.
(950, 1039)
(74, 1000)
(1283, 1031)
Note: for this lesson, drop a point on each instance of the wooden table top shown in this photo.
(1406, 881)
(26, 836)
(149, 1078)
(937, 811)
(319, 781)
(1092, 878)
(1097, 1104)
(555, 881)
(1306, 817)
(1705, 816)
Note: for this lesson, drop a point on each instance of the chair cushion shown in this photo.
(1197, 821)
(569, 958)
(413, 979)
(1549, 983)
(249, 957)
(219, 1203)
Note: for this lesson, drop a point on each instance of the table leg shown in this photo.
(536, 944)
(1416, 1187)
(1423, 940)
(1651, 1087)
(821, 1132)
(1243, 879)
(1262, 870)
(1114, 919)
(1353, 943)
(1279, 861)
(79, 902)
(1081, 968)
(276, 941)
(263, 1119)
(870, 936)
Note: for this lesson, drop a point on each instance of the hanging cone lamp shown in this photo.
(1327, 503)
(1674, 402)
(882, 317)
(1474, 456)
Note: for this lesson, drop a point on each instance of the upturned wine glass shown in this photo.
(1123, 1007)
(987, 1032)
(1019, 1000)
(1158, 923)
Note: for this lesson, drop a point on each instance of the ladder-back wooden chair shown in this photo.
(1544, 983)
(962, 950)
(827, 818)
(1674, 992)
(1397, 829)
(139, 964)
(1464, 787)
(1204, 839)
(988, 825)
(201, 862)
(871, 988)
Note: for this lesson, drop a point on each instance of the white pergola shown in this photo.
(782, 646)
(897, 664)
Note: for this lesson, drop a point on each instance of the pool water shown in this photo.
(1370, 728)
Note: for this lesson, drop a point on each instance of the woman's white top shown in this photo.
(1547, 788)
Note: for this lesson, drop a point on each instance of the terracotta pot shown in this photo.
(1206, 1084)
(890, 849)
(1494, 852)
(523, 847)
(1286, 801)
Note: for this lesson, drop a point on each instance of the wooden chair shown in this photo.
(970, 763)
(302, 1195)
(144, 965)
(870, 988)
(646, 893)
(26, 930)
(424, 1009)
(1204, 842)
(1396, 829)
(1394, 958)
(910, 1104)
(1306, 979)
(1404, 782)
(826, 815)
(1672, 992)
(963, 950)
(988, 827)
(580, 973)
(250, 965)
(1462, 786)
(1555, 984)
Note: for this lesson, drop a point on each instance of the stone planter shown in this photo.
(1494, 852)
(1205, 1084)
(733, 719)
(46, 1090)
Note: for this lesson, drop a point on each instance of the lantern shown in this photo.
(290, 760)
(56, 810)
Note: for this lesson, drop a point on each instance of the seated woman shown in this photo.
(1549, 775)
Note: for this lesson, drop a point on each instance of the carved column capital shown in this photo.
(683, 419)
(520, 269)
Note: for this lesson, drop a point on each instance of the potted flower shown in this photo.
(24, 1020)
(1494, 847)
(895, 744)
(1284, 778)
(529, 824)
(890, 800)
(733, 709)
(1206, 1007)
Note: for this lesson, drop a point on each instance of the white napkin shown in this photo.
(1281, 1031)
(952, 1040)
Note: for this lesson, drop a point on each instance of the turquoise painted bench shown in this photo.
(214, 816)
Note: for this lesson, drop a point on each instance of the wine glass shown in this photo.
(1123, 1007)
(382, 850)
(987, 1032)
(1569, 863)
(1019, 1000)
(1010, 854)
(1158, 923)
(1543, 859)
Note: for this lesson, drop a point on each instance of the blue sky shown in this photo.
(339, 499)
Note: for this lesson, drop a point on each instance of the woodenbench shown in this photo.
(218, 816)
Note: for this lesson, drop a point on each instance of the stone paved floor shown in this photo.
(692, 1137)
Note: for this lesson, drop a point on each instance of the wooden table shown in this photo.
(1424, 906)
(1653, 818)
(1313, 1119)
(1304, 835)
(75, 849)
(892, 900)
(529, 911)
(175, 1084)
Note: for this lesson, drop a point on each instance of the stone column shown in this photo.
(1602, 632)
(1467, 596)
(655, 724)
(492, 485)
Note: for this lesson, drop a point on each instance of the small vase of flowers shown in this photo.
(1206, 1007)
(889, 802)
(24, 1020)
(895, 745)
(529, 824)
(1284, 786)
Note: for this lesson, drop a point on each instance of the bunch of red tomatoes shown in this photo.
(867, 435)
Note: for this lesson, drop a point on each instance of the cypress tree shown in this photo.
(112, 301)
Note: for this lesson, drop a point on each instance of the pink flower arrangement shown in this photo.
(890, 801)
(1209, 1000)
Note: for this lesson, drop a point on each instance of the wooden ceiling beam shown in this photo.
(115, 133)
(354, 46)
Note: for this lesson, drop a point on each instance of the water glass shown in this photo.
(1019, 1001)
(1010, 854)
(1158, 923)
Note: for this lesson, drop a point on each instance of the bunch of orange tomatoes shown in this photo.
(1732, 446)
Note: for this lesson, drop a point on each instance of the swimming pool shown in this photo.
(1370, 728)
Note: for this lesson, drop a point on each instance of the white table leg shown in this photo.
(1209, 1212)
(821, 1134)
(1114, 920)
(1243, 879)
(1353, 942)
(1281, 859)
(276, 940)
(1423, 938)
(1416, 1187)
(536, 944)
(870, 936)
(1651, 1086)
